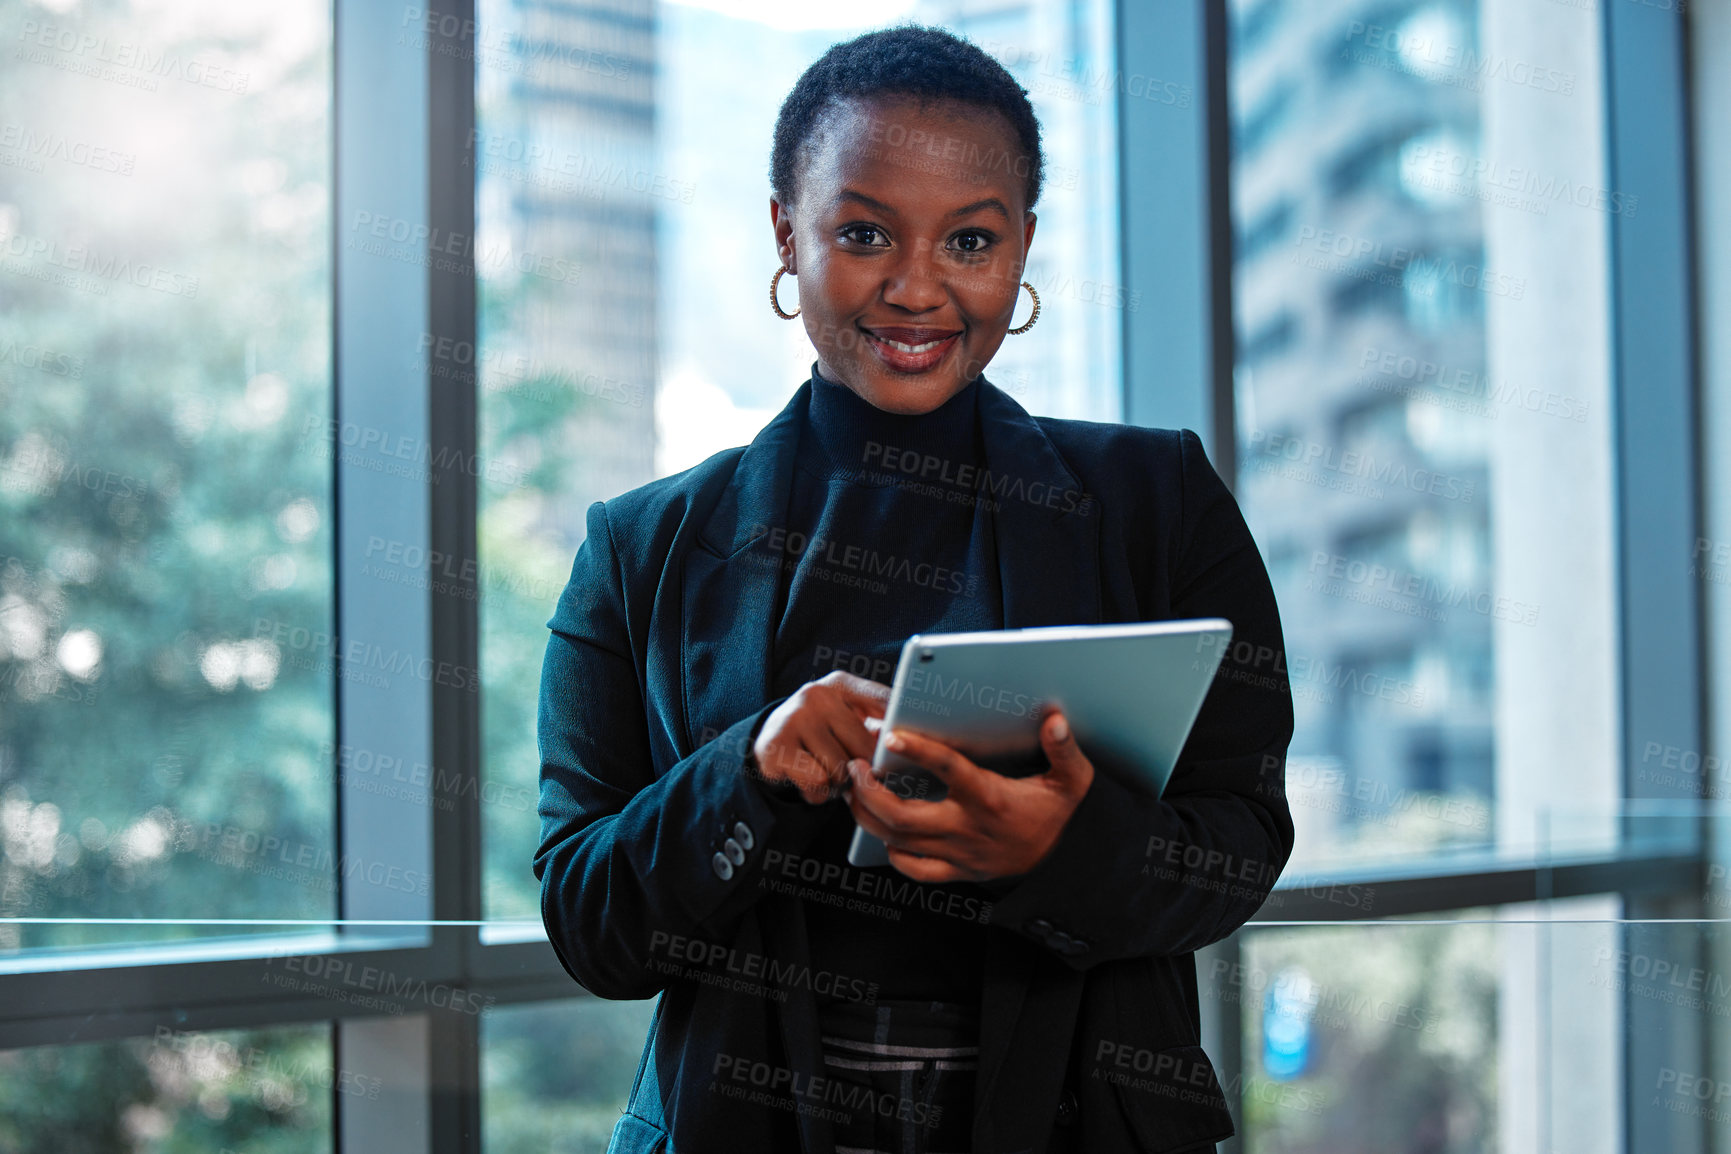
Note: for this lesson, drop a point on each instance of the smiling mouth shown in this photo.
(924, 346)
(910, 350)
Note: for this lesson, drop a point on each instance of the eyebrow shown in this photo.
(989, 202)
(879, 206)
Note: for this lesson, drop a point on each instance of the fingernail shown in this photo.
(1060, 729)
(896, 741)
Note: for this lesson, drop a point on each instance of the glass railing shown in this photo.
(1554, 1027)
(1551, 1026)
(1681, 849)
(1568, 994)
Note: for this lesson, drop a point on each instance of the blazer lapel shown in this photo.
(1047, 526)
(728, 589)
(1048, 535)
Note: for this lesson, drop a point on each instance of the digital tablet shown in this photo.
(1130, 692)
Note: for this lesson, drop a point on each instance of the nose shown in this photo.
(914, 283)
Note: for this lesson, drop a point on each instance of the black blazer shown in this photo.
(656, 676)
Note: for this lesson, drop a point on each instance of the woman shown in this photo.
(1021, 978)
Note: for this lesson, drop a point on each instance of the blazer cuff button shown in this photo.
(743, 835)
(723, 867)
(734, 851)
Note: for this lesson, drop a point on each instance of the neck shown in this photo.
(852, 433)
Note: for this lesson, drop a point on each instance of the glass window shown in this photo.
(622, 158)
(165, 545)
(1473, 1030)
(567, 185)
(1367, 1037)
(264, 1091)
(557, 1076)
(1422, 399)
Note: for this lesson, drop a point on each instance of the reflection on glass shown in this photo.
(1368, 1038)
(165, 575)
(624, 254)
(266, 1091)
(556, 1077)
(1536, 1027)
(565, 194)
(1421, 386)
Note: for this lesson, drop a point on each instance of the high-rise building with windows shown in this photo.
(1061, 52)
(1360, 284)
(566, 201)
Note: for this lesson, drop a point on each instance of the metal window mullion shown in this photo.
(1222, 417)
(1173, 217)
(454, 1037)
(111, 1001)
(1657, 498)
(380, 442)
(1368, 896)
(1174, 227)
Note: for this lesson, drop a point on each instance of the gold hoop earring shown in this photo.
(1020, 329)
(775, 304)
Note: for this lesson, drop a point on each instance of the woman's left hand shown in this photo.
(988, 826)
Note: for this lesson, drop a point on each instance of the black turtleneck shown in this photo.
(882, 542)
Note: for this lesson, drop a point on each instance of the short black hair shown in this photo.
(906, 60)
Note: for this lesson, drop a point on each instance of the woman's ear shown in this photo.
(781, 219)
(1027, 231)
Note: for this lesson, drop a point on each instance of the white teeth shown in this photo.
(901, 348)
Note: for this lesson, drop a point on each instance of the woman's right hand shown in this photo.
(808, 740)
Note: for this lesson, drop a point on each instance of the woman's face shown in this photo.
(908, 238)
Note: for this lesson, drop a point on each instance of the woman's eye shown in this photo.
(971, 241)
(866, 234)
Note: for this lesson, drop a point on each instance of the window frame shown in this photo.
(403, 145)
(1656, 501)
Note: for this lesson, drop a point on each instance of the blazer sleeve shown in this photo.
(628, 858)
(1137, 876)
